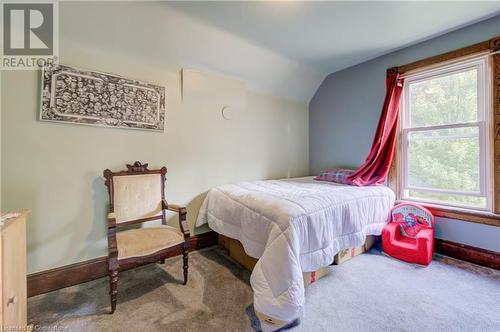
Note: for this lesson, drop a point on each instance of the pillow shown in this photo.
(335, 175)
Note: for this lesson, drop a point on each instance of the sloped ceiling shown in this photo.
(333, 35)
(280, 48)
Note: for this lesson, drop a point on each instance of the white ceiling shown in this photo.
(334, 35)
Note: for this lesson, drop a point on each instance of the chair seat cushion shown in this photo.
(146, 241)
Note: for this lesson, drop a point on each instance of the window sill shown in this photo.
(479, 217)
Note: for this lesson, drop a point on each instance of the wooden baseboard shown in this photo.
(468, 253)
(74, 274)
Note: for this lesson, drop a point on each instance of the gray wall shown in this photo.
(344, 112)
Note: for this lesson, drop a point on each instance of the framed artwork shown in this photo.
(86, 97)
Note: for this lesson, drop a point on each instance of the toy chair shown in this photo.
(409, 236)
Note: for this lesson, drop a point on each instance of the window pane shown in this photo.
(444, 100)
(469, 201)
(444, 159)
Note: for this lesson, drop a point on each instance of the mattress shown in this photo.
(293, 226)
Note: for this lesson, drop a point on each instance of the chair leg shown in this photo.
(113, 288)
(185, 264)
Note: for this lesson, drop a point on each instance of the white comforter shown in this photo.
(293, 226)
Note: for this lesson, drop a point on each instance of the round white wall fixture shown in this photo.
(227, 113)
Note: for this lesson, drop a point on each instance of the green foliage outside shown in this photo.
(445, 158)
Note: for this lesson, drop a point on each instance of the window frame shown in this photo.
(483, 124)
(491, 47)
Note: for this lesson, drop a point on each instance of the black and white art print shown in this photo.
(92, 98)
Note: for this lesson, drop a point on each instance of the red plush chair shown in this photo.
(410, 234)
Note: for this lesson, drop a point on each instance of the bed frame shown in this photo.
(236, 251)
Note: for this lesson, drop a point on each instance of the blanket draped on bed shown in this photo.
(293, 226)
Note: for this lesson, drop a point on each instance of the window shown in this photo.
(445, 130)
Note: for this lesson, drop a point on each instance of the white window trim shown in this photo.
(483, 124)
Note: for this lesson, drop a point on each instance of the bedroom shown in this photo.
(233, 97)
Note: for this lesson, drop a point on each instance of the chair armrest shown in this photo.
(425, 233)
(425, 240)
(392, 229)
(177, 208)
(182, 211)
(173, 207)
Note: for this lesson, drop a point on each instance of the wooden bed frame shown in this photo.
(236, 251)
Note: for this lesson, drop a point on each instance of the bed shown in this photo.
(293, 226)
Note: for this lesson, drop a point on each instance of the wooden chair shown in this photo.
(137, 195)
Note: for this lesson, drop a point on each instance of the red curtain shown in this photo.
(376, 166)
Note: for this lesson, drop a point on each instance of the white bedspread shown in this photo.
(293, 226)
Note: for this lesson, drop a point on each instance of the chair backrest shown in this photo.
(405, 211)
(136, 195)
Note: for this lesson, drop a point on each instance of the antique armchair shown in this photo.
(137, 195)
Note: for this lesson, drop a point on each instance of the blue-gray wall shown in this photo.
(344, 112)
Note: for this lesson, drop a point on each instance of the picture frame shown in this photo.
(85, 97)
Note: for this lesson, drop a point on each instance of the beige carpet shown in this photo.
(369, 293)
